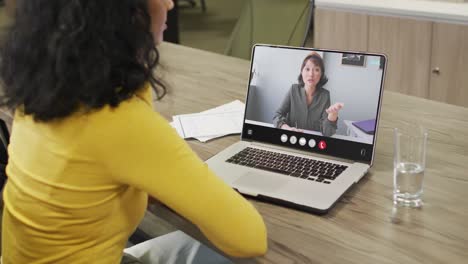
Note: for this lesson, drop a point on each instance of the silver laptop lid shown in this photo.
(315, 100)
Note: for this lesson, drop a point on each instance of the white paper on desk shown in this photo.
(234, 106)
(211, 124)
(178, 127)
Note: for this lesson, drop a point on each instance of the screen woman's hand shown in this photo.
(333, 110)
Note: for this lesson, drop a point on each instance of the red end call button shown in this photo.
(322, 145)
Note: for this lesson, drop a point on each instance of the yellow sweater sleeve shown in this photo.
(140, 149)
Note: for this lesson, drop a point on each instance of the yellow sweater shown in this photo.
(78, 187)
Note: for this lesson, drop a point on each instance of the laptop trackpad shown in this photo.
(255, 183)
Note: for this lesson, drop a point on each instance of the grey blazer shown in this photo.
(295, 112)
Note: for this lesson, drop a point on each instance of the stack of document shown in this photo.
(217, 122)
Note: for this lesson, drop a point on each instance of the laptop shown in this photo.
(309, 164)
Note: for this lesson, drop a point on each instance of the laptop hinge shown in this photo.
(312, 154)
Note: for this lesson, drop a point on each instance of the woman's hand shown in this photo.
(333, 110)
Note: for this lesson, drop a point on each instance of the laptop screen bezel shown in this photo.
(339, 148)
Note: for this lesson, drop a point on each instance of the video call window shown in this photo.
(330, 94)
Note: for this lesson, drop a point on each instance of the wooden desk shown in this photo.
(363, 227)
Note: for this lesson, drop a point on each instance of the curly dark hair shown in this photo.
(317, 60)
(60, 55)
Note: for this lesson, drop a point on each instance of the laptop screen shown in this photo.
(315, 100)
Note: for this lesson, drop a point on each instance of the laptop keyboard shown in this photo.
(313, 170)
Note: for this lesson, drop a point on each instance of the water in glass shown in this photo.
(408, 185)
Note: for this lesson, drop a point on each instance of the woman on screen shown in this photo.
(307, 104)
(87, 147)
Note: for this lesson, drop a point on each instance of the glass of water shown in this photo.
(409, 164)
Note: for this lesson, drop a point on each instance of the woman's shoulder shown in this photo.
(324, 92)
(126, 118)
(295, 87)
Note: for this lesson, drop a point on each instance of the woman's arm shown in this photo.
(281, 116)
(140, 149)
(328, 127)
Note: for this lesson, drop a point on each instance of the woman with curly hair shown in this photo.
(87, 148)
